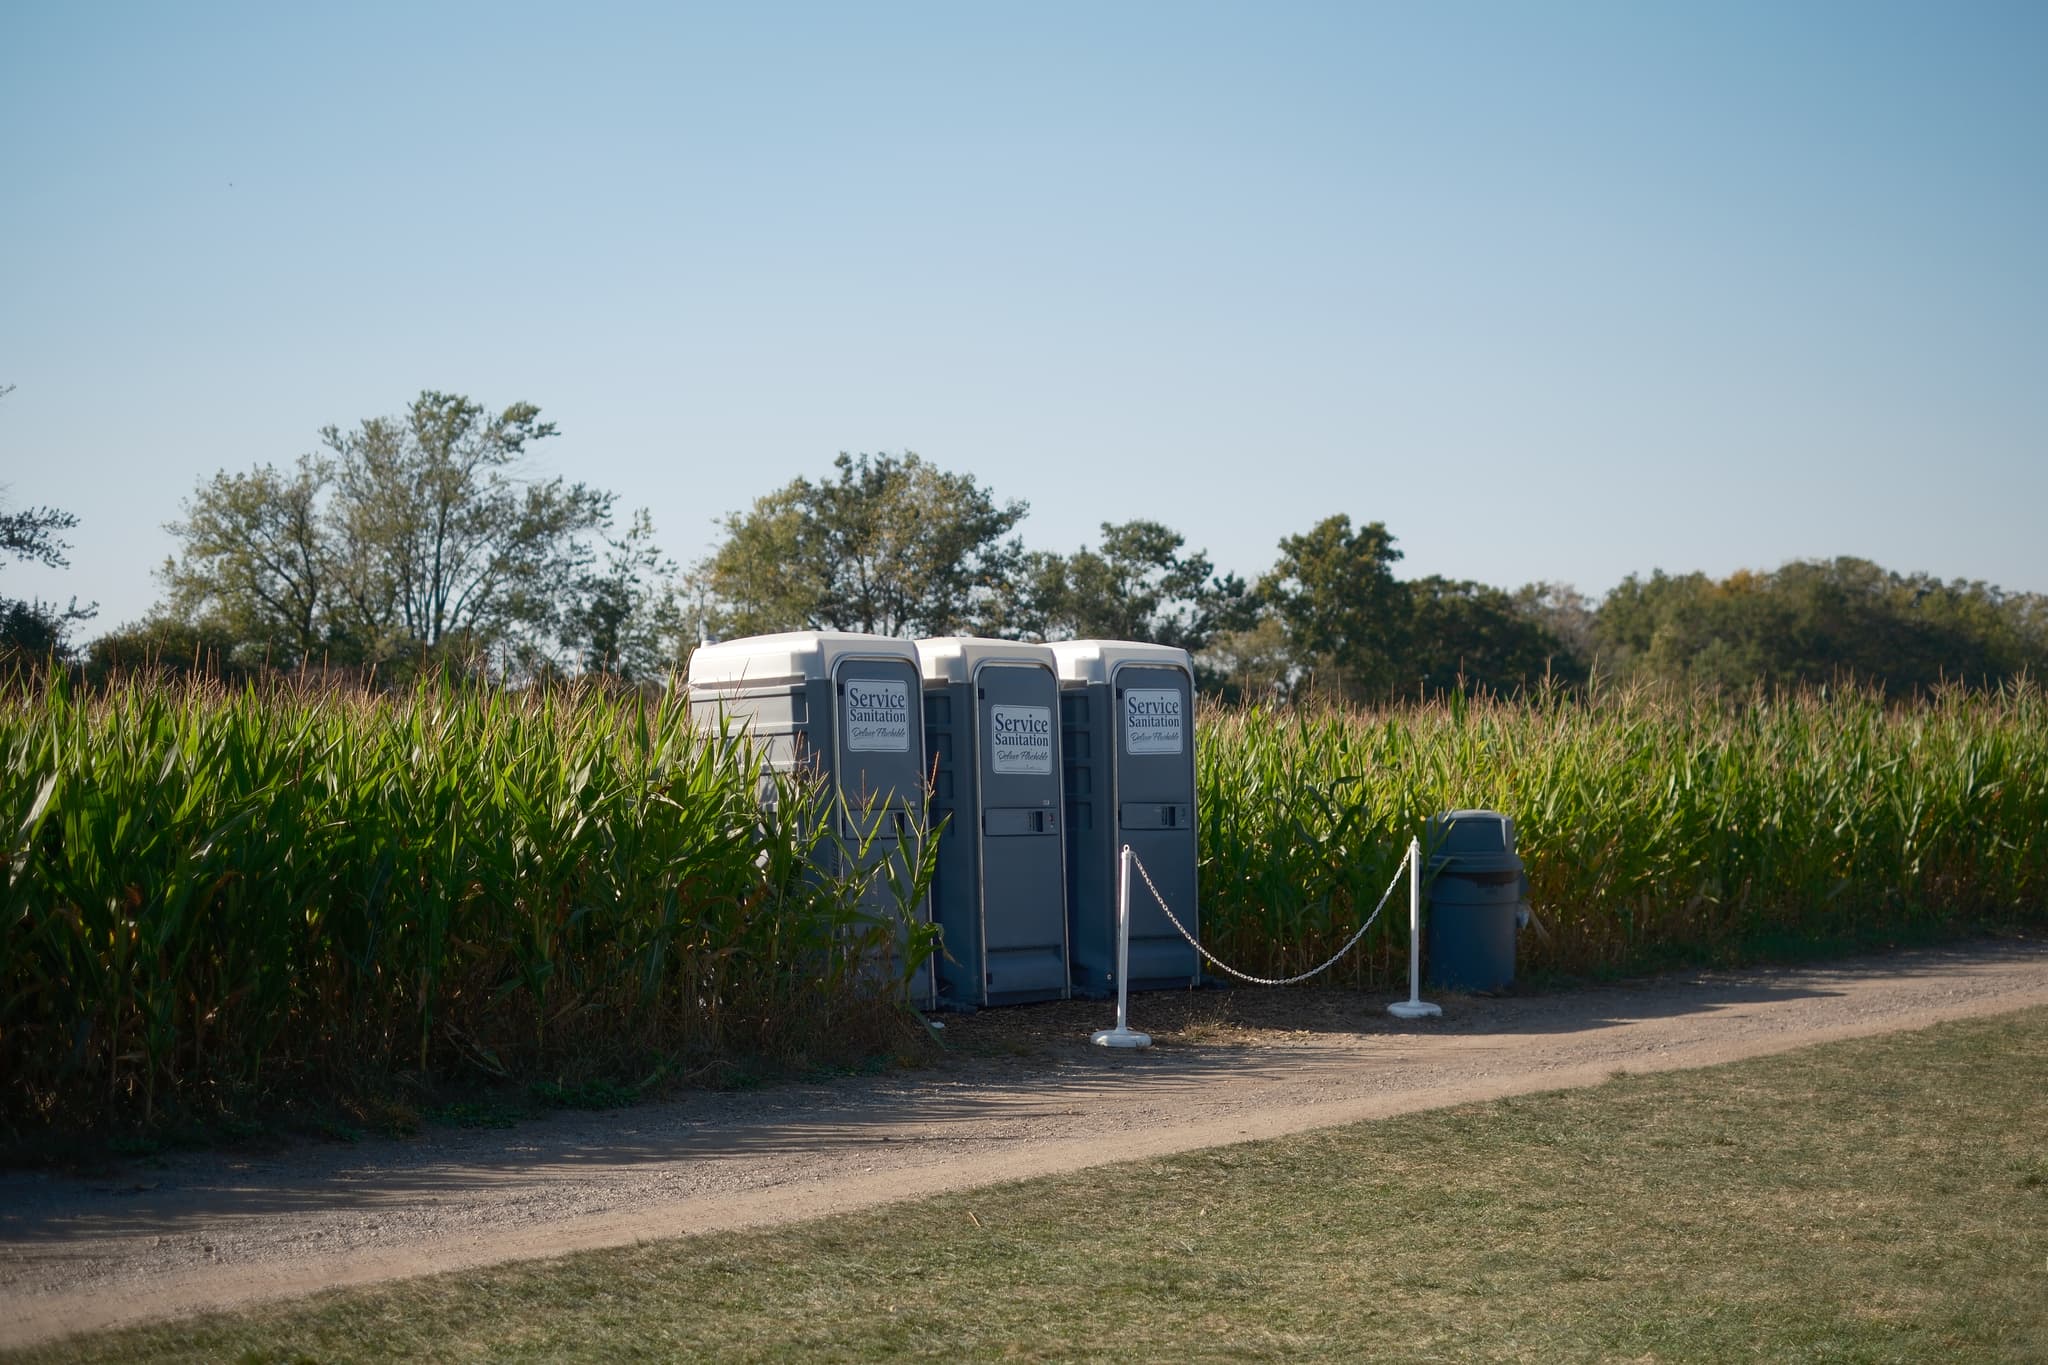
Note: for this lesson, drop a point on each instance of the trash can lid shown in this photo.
(1472, 831)
(1473, 841)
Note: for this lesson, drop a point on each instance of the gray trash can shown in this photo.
(1478, 899)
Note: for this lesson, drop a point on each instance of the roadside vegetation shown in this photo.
(1661, 826)
(218, 903)
(223, 903)
(1878, 1200)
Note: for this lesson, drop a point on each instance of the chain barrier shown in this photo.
(1221, 965)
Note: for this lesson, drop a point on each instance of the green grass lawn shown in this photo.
(1879, 1200)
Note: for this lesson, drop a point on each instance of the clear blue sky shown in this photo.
(1558, 291)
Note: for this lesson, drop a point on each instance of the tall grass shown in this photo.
(1657, 826)
(212, 896)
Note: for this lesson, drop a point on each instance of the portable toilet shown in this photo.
(844, 704)
(992, 720)
(1127, 728)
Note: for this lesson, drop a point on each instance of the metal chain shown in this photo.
(1262, 980)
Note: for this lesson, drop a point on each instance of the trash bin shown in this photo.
(848, 706)
(1478, 899)
(991, 719)
(1128, 736)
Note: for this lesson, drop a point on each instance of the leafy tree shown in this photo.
(1344, 614)
(1032, 604)
(1468, 636)
(33, 628)
(165, 644)
(1821, 621)
(31, 534)
(438, 540)
(1687, 628)
(1849, 617)
(1138, 586)
(893, 545)
(1566, 616)
(1250, 664)
(625, 618)
(760, 579)
(412, 535)
(256, 563)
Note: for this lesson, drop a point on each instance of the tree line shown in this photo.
(422, 539)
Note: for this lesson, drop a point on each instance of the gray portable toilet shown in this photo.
(848, 705)
(992, 721)
(1127, 723)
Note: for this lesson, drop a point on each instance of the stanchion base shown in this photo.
(1414, 1009)
(1121, 1037)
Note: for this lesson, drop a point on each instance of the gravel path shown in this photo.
(1021, 1094)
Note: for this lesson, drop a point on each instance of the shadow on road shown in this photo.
(1013, 1073)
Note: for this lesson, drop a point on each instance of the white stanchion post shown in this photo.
(1414, 1007)
(1123, 1035)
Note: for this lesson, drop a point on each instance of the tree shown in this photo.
(1688, 628)
(31, 627)
(625, 618)
(437, 540)
(1032, 604)
(31, 534)
(1567, 617)
(1248, 665)
(760, 580)
(412, 535)
(1468, 636)
(256, 563)
(164, 644)
(893, 546)
(1821, 621)
(1138, 586)
(1345, 616)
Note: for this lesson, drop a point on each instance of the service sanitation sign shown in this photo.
(1020, 739)
(1152, 720)
(878, 715)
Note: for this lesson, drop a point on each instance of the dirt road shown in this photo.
(1022, 1094)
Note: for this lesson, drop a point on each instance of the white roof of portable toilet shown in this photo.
(794, 656)
(1092, 661)
(953, 658)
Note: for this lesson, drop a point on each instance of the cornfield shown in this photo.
(1658, 827)
(214, 898)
